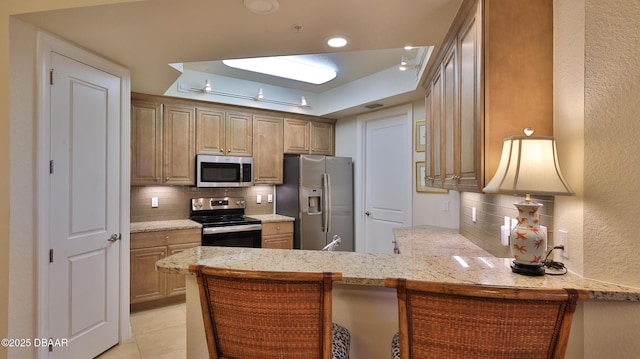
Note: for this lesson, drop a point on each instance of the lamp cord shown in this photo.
(551, 264)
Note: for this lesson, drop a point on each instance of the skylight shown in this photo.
(286, 67)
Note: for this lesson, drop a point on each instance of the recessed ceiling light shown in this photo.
(262, 6)
(284, 66)
(337, 41)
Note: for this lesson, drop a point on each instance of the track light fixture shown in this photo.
(259, 97)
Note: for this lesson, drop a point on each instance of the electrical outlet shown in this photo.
(259, 198)
(562, 240)
(474, 217)
(270, 198)
(154, 202)
(445, 206)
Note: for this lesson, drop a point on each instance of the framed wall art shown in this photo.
(419, 133)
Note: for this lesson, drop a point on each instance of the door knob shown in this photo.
(115, 237)
(367, 213)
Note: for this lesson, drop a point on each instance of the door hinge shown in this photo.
(51, 167)
(51, 77)
(50, 255)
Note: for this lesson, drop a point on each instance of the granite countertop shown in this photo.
(435, 241)
(153, 226)
(371, 269)
(266, 218)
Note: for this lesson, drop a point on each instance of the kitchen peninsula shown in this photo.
(360, 301)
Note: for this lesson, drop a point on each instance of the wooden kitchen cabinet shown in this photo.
(223, 133)
(148, 287)
(308, 137)
(179, 145)
(492, 78)
(146, 143)
(268, 157)
(162, 144)
(277, 235)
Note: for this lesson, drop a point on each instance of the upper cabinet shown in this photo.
(223, 133)
(492, 78)
(268, 157)
(168, 132)
(308, 137)
(162, 144)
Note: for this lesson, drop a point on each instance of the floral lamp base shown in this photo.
(528, 241)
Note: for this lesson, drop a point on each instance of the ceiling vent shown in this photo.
(371, 106)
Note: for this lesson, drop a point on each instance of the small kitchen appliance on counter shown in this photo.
(224, 223)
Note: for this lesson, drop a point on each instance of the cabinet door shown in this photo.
(146, 143)
(147, 283)
(281, 241)
(176, 282)
(321, 138)
(436, 125)
(450, 119)
(179, 145)
(428, 140)
(239, 134)
(296, 136)
(210, 131)
(268, 158)
(469, 43)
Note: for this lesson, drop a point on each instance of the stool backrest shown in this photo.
(257, 314)
(439, 320)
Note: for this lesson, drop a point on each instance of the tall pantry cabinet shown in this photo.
(492, 77)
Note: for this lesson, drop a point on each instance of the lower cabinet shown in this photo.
(148, 287)
(277, 235)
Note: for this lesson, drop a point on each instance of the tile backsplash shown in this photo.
(173, 201)
(490, 213)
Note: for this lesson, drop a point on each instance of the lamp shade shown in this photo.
(529, 165)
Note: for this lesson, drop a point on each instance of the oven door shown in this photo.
(249, 235)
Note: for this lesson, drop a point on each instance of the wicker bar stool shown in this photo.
(257, 314)
(439, 320)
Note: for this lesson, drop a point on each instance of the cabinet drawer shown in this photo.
(276, 228)
(161, 238)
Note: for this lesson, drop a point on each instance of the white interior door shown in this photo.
(84, 208)
(387, 177)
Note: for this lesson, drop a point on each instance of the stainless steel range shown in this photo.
(224, 223)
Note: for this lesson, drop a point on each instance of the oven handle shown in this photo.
(232, 229)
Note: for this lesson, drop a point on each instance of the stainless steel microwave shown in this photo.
(224, 171)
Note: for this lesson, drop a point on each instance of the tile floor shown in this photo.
(158, 333)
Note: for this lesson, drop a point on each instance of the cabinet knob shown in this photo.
(222, 150)
(167, 178)
(157, 179)
(278, 227)
(166, 238)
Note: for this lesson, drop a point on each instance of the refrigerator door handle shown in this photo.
(326, 212)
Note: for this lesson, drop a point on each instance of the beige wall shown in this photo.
(597, 64)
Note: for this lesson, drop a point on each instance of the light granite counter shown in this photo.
(266, 218)
(435, 241)
(153, 226)
(369, 269)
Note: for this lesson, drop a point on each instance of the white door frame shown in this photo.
(46, 44)
(360, 170)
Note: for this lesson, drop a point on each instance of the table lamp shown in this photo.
(528, 165)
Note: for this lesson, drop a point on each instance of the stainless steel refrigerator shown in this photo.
(318, 192)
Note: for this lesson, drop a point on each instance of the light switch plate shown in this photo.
(259, 198)
(270, 198)
(154, 202)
